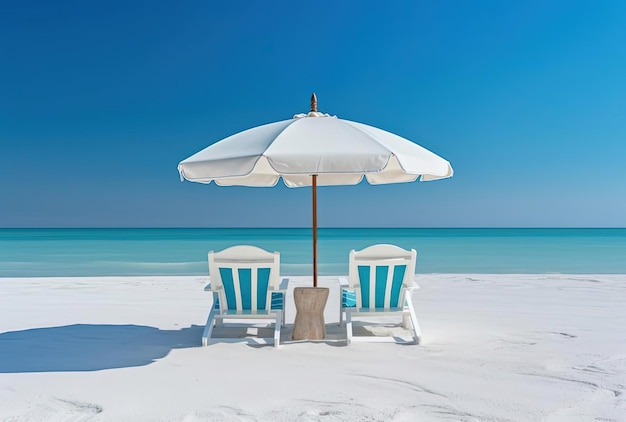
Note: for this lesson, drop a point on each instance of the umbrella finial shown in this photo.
(313, 102)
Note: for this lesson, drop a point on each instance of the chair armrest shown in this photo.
(415, 285)
(282, 287)
(209, 288)
(411, 287)
(345, 284)
(284, 283)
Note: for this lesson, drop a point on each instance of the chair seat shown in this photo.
(233, 313)
(377, 311)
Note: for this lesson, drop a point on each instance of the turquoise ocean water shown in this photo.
(99, 252)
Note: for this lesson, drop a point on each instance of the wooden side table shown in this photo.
(310, 303)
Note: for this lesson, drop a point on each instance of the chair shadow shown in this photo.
(90, 347)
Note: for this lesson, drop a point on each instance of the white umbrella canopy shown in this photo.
(340, 152)
(313, 149)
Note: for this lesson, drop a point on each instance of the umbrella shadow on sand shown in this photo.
(90, 347)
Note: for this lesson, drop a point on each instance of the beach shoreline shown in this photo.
(495, 347)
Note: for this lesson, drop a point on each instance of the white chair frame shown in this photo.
(243, 257)
(381, 255)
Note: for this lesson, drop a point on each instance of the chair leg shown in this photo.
(216, 299)
(348, 327)
(279, 318)
(417, 333)
(340, 306)
(208, 328)
(406, 322)
(283, 310)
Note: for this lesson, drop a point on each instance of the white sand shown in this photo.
(495, 348)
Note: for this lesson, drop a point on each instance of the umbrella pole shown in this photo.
(314, 192)
(310, 301)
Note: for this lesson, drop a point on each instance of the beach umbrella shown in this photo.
(313, 149)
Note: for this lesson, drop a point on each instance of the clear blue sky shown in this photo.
(100, 100)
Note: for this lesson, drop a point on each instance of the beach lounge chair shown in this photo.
(379, 283)
(244, 281)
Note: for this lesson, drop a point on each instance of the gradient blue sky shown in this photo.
(100, 100)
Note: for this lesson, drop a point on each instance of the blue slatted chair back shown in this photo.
(246, 275)
(379, 276)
